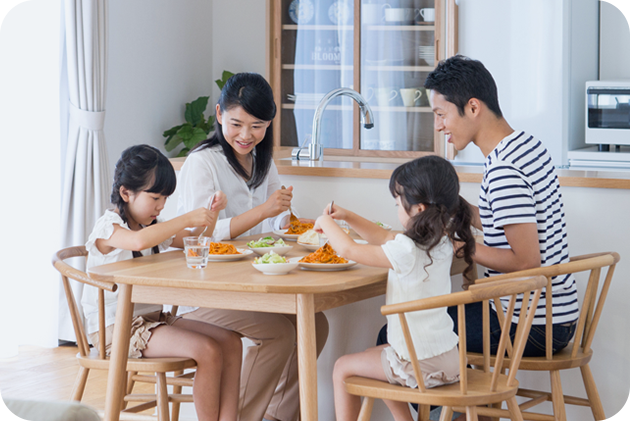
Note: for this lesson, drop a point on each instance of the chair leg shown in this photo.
(591, 392)
(79, 384)
(366, 409)
(447, 413)
(515, 411)
(424, 412)
(175, 405)
(162, 397)
(129, 388)
(557, 396)
(471, 413)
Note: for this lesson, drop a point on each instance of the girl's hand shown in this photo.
(201, 217)
(278, 202)
(220, 201)
(337, 212)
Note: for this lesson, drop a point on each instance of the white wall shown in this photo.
(540, 53)
(160, 57)
(614, 43)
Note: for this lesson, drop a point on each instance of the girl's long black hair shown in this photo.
(251, 92)
(433, 182)
(142, 168)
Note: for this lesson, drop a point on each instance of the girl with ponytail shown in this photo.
(434, 216)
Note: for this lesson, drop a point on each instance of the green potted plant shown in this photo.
(196, 128)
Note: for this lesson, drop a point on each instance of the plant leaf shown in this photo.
(196, 135)
(209, 125)
(224, 78)
(172, 142)
(195, 109)
(170, 132)
(183, 152)
(185, 132)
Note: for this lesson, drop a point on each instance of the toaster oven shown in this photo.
(608, 112)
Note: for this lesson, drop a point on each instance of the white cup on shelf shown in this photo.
(409, 96)
(428, 14)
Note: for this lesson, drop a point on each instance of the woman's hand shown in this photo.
(278, 202)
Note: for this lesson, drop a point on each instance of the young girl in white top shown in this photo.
(419, 261)
(143, 180)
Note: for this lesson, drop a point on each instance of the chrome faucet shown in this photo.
(315, 151)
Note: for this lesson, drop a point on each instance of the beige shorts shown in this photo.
(140, 332)
(436, 371)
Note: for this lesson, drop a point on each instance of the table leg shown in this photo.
(307, 357)
(120, 349)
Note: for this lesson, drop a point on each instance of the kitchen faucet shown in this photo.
(315, 151)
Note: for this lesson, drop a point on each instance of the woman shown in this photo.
(238, 160)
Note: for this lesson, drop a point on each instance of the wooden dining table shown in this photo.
(164, 278)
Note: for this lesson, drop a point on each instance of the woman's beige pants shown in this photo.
(269, 380)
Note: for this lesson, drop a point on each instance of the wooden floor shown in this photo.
(38, 373)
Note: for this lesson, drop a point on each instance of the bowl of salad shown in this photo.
(269, 244)
(273, 264)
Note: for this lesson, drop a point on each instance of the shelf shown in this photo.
(318, 27)
(317, 67)
(399, 28)
(400, 68)
(290, 106)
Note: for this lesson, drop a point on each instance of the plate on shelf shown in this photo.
(327, 267)
(339, 13)
(229, 257)
(301, 11)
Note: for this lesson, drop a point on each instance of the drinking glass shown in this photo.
(196, 250)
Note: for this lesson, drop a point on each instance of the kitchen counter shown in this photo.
(381, 168)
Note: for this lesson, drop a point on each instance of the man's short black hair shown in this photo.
(460, 78)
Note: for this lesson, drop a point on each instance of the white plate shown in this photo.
(281, 250)
(313, 247)
(229, 257)
(283, 234)
(327, 267)
(385, 226)
(277, 268)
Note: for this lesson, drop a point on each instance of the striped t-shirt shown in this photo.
(520, 186)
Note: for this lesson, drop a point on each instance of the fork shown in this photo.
(319, 235)
(292, 218)
(209, 206)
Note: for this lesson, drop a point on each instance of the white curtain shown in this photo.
(86, 181)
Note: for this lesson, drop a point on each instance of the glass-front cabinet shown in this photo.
(383, 49)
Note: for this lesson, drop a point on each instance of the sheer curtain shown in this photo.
(30, 193)
(85, 182)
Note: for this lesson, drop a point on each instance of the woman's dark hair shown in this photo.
(433, 182)
(142, 168)
(251, 92)
(460, 78)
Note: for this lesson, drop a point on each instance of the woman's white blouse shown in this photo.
(104, 228)
(207, 171)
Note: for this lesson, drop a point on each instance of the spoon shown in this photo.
(209, 206)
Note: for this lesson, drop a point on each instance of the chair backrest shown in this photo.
(594, 297)
(531, 288)
(68, 272)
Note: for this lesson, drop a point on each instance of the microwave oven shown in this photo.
(608, 112)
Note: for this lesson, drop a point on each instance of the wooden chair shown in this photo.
(576, 354)
(95, 359)
(476, 387)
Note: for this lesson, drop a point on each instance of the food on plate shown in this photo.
(267, 242)
(271, 258)
(324, 254)
(380, 224)
(309, 237)
(222, 248)
(298, 227)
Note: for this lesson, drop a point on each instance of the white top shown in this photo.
(104, 228)
(206, 171)
(411, 279)
(520, 186)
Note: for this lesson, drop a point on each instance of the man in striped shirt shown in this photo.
(520, 206)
